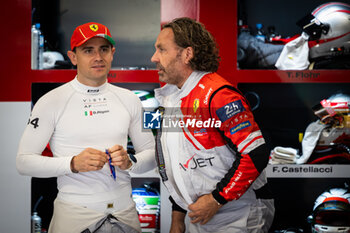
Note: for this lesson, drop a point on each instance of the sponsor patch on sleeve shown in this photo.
(229, 110)
(239, 127)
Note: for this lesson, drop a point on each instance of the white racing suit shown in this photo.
(74, 117)
(220, 150)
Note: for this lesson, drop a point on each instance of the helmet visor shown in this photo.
(333, 218)
(333, 214)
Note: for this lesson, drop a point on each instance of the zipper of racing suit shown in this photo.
(159, 151)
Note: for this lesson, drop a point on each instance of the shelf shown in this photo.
(293, 76)
(283, 16)
(308, 171)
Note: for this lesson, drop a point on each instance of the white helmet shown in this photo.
(148, 101)
(331, 212)
(334, 111)
(329, 30)
(333, 144)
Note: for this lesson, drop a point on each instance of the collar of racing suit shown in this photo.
(170, 89)
(78, 86)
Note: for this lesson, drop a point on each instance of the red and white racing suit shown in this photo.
(218, 148)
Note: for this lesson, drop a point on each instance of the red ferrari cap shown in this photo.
(87, 31)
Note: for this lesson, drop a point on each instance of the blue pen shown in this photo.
(111, 167)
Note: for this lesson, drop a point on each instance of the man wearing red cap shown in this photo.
(87, 122)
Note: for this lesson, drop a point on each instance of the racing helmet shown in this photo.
(147, 99)
(329, 30)
(334, 111)
(333, 144)
(331, 212)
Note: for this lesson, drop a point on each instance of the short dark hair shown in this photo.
(190, 33)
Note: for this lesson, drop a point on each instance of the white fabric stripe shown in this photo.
(248, 140)
(254, 145)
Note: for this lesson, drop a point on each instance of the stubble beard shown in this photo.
(170, 75)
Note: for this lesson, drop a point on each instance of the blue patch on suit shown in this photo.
(229, 110)
(240, 127)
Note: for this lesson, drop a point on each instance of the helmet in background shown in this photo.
(147, 99)
(334, 111)
(333, 145)
(331, 212)
(329, 30)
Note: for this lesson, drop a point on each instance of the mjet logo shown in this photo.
(197, 163)
(151, 120)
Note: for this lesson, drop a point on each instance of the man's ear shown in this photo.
(188, 53)
(113, 51)
(73, 57)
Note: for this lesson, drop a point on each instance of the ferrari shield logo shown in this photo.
(93, 27)
(195, 105)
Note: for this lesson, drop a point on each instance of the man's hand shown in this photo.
(177, 222)
(88, 160)
(119, 157)
(203, 209)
